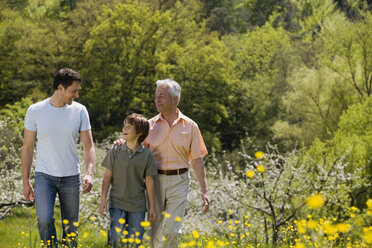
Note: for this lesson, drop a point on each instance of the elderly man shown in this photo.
(175, 141)
(56, 122)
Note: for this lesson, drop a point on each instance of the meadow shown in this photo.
(263, 203)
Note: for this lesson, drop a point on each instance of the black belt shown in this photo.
(173, 172)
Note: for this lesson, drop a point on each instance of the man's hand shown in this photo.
(87, 184)
(205, 198)
(103, 207)
(28, 192)
(152, 214)
(119, 142)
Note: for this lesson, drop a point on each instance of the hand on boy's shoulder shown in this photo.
(118, 142)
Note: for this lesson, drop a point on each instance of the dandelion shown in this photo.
(343, 228)
(104, 234)
(259, 154)
(353, 209)
(166, 215)
(125, 232)
(312, 224)
(315, 201)
(219, 221)
(261, 168)
(369, 204)
(229, 211)
(250, 173)
(65, 222)
(195, 234)
(368, 237)
(299, 245)
(145, 223)
(117, 229)
(177, 219)
(121, 221)
(76, 224)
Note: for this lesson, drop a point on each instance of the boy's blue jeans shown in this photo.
(132, 225)
(46, 189)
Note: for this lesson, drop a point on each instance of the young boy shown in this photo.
(129, 169)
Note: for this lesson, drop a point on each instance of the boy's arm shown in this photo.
(105, 186)
(149, 180)
(26, 161)
(89, 159)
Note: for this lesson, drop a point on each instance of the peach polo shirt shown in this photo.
(174, 147)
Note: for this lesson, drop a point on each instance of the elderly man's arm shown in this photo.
(198, 166)
(89, 159)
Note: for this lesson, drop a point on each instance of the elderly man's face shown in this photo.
(163, 100)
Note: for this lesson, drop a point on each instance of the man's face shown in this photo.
(71, 93)
(163, 100)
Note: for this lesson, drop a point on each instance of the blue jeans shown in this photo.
(46, 189)
(132, 225)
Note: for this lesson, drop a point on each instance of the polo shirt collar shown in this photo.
(180, 116)
(125, 148)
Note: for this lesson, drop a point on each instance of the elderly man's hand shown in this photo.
(118, 142)
(205, 198)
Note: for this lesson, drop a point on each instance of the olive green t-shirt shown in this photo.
(128, 176)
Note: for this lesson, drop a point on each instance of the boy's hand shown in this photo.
(103, 208)
(152, 214)
(118, 142)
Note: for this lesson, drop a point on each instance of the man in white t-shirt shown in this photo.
(56, 123)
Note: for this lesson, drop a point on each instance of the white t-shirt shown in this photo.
(57, 130)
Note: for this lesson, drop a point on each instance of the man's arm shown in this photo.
(198, 166)
(105, 186)
(149, 180)
(89, 159)
(26, 161)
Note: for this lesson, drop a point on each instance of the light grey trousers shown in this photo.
(171, 194)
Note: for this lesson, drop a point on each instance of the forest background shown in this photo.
(292, 78)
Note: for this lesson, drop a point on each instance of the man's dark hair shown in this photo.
(141, 125)
(66, 77)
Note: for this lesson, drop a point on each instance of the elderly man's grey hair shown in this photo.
(174, 88)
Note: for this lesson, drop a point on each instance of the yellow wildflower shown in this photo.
(342, 228)
(145, 223)
(299, 245)
(177, 219)
(250, 173)
(368, 237)
(259, 154)
(315, 201)
(195, 234)
(369, 204)
(65, 222)
(261, 168)
(121, 221)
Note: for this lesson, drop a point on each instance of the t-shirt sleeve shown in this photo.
(197, 148)
(84, 116)
(151, 168)
(30, 123)
(109, 160)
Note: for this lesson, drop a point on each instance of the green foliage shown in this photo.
(352, 138)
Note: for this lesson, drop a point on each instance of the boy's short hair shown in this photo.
(141, 125)
(66, 77)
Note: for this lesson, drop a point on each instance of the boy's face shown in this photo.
(129, 132)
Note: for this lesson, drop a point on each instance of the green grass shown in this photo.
(20, 230)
